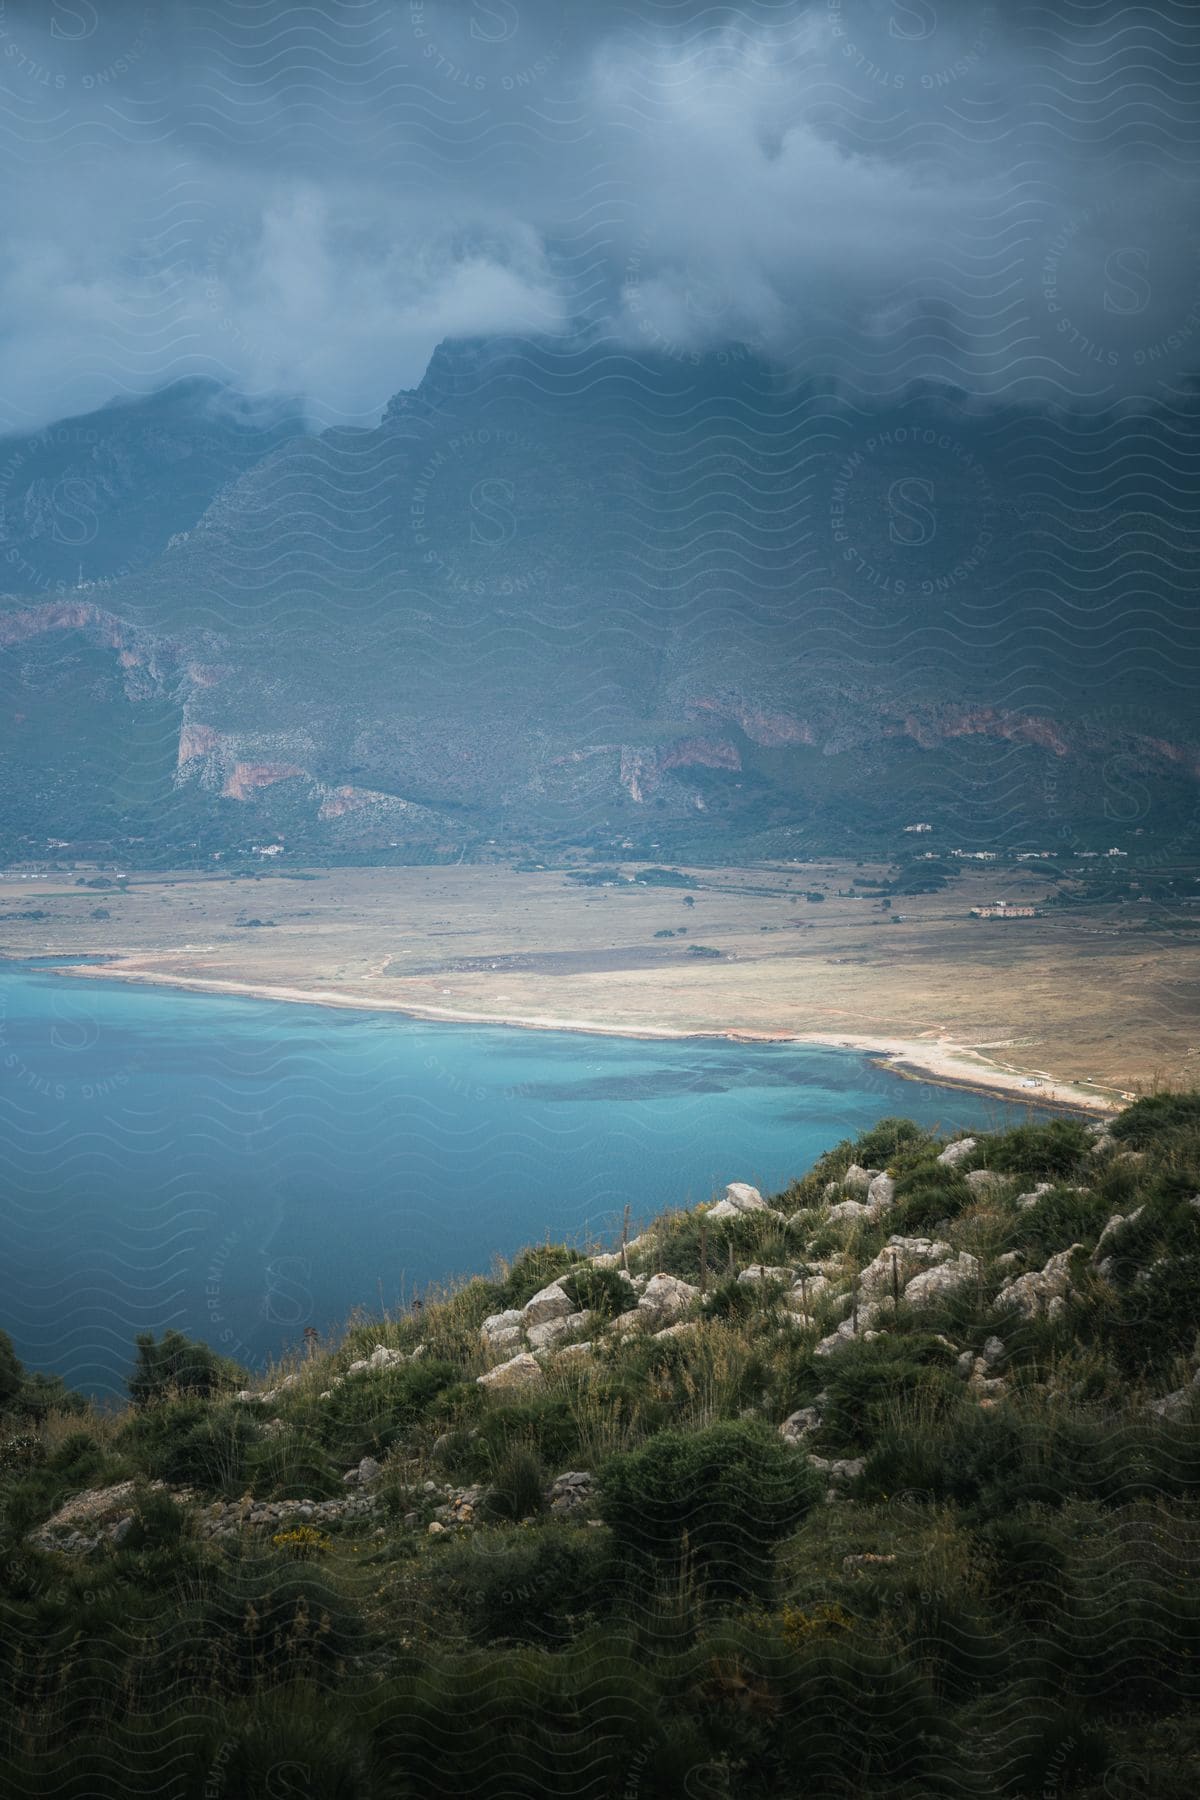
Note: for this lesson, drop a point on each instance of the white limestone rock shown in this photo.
(957, 1152)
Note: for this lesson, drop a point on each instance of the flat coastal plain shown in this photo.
(1080, 1006)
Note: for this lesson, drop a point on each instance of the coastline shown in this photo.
(939, 1062)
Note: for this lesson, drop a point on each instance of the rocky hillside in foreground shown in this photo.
(567, 595)
(885, 1485)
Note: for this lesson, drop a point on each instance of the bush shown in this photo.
(515, 1491)
(712, 1503)
(191, 1444)
(601, 1291)
(1156, 1118)
(876, 1148)
(532, 1586)
(1041, 1150)
(533, 1270)
(179, 1365)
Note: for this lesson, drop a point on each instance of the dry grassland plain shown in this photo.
(1089, 1004)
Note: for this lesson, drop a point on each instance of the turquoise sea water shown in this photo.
(241, 1168)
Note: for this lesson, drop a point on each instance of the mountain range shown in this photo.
(580, 596)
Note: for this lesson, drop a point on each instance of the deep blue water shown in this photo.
(242, 1168)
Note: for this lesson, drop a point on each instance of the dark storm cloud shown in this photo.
(309, 198)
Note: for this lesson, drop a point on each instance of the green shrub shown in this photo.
(532, 1586)
(875, 1149)
(1156, 1119)
(533, 1270)
(714, 1502)
(191, 1444)
(1040, 1150)
(515, 1487)
(601, 1291)
(179, 1365)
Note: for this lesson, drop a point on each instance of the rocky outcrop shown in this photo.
(1042, 1293)
(245, 778)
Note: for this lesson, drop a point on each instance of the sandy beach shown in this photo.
(942, 1063)
(1073, 1010)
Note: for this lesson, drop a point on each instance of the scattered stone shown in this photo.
(760, 1272)
(986, 1181)
(683, 1329)
(381, 1357)
(435, 1528)
(857, 1180)
(1023, 1202)
(570, 1492)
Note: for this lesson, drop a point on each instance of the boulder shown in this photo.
(367, 1470)
(520, 1371)
(497, 1325)
(744, 1198)
(850, 1209)
(800, 1424)
(810, 1287)
(606, 1259)
(946, 1278)
(551, 1302)
(760, 1272)
(957, 1152)
(1023, 1202)
(553, 1331)
(665, 1299)
(1042, 1293)
(881, 1193)
(857, 1180)
(684, 1329)
(575, 1352)
(986, 1181)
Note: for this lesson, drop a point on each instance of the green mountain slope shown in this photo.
(885, 1487)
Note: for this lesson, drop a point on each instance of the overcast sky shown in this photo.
(308, 198)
